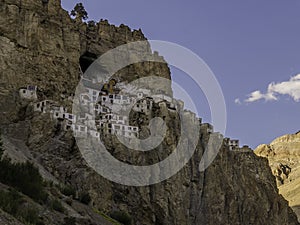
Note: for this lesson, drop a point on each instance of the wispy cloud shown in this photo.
(257, 95)
(274, 90)
(237, 101)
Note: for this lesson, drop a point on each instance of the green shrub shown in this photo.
(1, 147)
(10, 201)
(69, 221)
(57, 206)
(122, 217)
(13, 203)
(29, 215)
(25, 177)
(85, 198)
(68, 191)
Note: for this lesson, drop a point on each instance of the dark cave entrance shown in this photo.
(86, 60)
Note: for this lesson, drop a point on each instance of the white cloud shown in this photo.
(290, 87)
(237, 101)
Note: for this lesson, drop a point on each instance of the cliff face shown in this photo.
(40, 45)
(284, 160)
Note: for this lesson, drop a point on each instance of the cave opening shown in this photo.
(86, 60)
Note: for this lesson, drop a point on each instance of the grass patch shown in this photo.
(106, 217)
(24, 177)
(57, 206)
(13, 203)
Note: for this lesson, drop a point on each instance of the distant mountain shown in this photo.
(284, 159)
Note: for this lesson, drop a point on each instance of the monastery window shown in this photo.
(24, 91)
(109, 125)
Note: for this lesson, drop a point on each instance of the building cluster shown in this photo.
(104, 101)
(101, 102)
(232, 144)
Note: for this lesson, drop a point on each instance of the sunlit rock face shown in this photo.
(283, 155)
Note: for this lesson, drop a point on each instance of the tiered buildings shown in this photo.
(100, 105)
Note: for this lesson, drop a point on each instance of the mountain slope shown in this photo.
(284, 159)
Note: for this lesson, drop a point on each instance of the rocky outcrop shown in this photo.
(41, 45)
(283, 155)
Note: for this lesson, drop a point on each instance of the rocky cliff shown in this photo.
(284, 160)
(41, 45)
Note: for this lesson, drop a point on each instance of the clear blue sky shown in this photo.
(247, 44)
